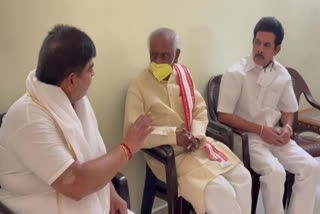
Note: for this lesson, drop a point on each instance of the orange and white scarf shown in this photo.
(188, 100)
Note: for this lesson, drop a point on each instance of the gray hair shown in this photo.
(168, 33)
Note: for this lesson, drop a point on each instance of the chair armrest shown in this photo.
(244, 139)
(220, 132)
(120, 183)
(163, 153)
(245, 146)
(311, 100)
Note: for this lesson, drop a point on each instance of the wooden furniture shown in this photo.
(309, 119)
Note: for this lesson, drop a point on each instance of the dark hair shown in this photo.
(66, 49)
(270, 24)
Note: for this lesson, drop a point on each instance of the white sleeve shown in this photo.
(230, 89)
(288, 101)
(42, 149)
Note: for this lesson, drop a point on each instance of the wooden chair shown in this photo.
(120, 183)
(169, 191)
(310, 144)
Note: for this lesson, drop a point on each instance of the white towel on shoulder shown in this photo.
(79, 127)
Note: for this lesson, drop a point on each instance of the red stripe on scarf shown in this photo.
(184, 98)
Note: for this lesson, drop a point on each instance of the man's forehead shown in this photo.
(90, 63)
(265, 35)
(161, 42)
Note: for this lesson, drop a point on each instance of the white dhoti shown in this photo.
(228, 193)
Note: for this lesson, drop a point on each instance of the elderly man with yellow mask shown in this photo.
(210, 176)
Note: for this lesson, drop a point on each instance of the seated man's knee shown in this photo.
(244, 173)
(277, 173)
(311, 169)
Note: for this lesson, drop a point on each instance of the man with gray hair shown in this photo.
(209, 175)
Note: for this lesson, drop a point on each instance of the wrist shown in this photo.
(289, 128)
(261, 131)
(126, 150)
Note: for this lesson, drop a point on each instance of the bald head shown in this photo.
(164, 46)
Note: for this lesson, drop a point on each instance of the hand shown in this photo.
(285, 134)
(117, 204)
(195, 144)
(187, 140)
(272, 136)
(138, 132)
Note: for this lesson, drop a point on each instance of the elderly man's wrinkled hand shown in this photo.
(186, 140)
(195, 144)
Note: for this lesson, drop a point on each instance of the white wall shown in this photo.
(214, 34)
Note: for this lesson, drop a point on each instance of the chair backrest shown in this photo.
(299, 87)
(213, 89)
(298, 83)
(1, 116)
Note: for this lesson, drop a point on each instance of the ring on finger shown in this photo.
(189, 146)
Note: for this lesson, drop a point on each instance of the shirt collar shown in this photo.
(251, 64)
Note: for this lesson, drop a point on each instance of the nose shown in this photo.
(260, 48)
(158, 59)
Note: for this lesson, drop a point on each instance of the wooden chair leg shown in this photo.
(174, 202)
(255, 190)
(149, 192)
(173, 206)
(187, 207)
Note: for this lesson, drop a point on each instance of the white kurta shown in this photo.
(34, 152)
(260, 95)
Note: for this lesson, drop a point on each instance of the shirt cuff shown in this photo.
(172, 137)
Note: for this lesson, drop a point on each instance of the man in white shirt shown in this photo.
(52, 157)
(254, 95)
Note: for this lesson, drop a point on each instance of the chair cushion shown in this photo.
(309, 144)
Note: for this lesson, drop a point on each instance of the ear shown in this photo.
(277, 50)
(177, 55)
(69, 83)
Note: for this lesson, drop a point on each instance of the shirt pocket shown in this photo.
(271, 99)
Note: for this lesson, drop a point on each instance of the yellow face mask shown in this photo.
(160, 71)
